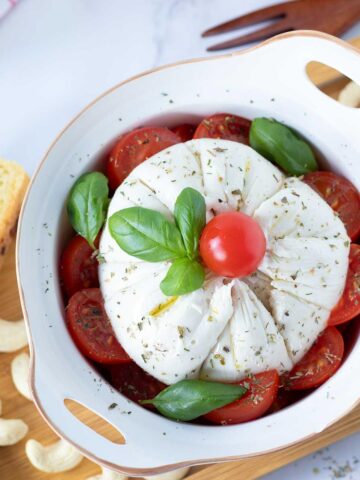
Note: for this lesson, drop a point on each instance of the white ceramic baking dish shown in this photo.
(266, 80)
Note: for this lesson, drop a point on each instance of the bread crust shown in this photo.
(13, 185)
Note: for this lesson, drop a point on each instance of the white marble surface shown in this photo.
(341, 460)
(57, 55)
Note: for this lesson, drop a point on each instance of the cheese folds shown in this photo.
(228, 328)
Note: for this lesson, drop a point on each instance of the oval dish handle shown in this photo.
(292, 52)
(131, 458)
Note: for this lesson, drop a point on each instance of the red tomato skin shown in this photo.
(319, 364)
(341, 195)
(78, 266)
(185, 131)
(225, 126)
(348, 306)
(232, 244)
(133, 382)
(135, 147)
(262, 392)
(285, 398)
(91, 329)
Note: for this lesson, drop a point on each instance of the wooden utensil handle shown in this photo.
(352, 6)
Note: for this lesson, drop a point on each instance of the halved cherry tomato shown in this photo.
(185, 131)
(262, 391)
(342, 197)
(286, 397)
(225, 126)
(232, 244)
(320, 362)
(349, 305)
(91, 329)
(78, 266)
(133, 382)
(135, 147)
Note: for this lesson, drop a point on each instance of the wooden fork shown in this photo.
(329, 16)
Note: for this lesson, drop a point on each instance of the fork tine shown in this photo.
(268, 13)
(266, 32)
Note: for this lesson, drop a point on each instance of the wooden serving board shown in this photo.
(13, 462)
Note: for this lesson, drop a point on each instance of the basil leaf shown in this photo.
(87, 205)
(282, 145)
(190, 216)
(189, 399)
(184, 276)
(146, 234)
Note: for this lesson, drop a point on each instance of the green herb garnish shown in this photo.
(146, 234)
(189, 399)
(150, 236)
(282, 145)
(190, 217)
(87, 205)
(184, 276)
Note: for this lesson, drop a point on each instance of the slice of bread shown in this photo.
(13, 184)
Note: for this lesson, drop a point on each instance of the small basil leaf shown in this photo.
(87, 205)
(146, 234)
(282, 146)
(189, 399)
(184, 276)
(190, 216)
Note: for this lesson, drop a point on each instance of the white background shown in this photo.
(57, 55)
